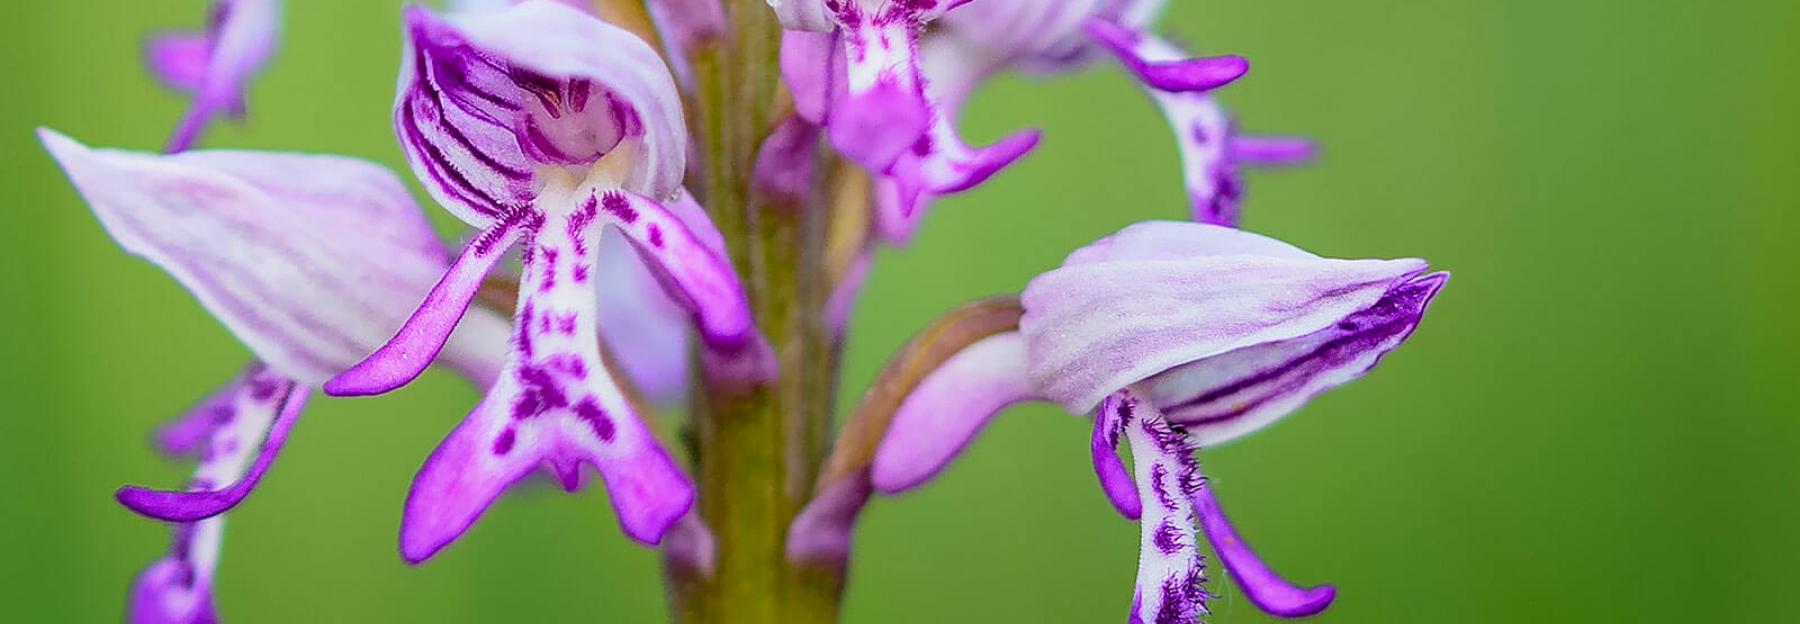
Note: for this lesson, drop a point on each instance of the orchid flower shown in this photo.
(855, 68)
(1177, 336)
(215, 65)
(978, 41)
(278, 248)
(545, 127)
(643, 325)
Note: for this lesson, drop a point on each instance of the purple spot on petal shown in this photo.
(656, 239)
(264, 388)
(504, 443)
(1167, 538)
(549, 269)
(578, 223)
(580, 273)
(522, 337)
(616, 204)
(1159, 478)
(596, 418)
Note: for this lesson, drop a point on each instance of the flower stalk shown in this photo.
(757, 449)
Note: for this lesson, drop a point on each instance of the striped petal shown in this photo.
(490, 103)
(1223, 397)
(279, 247)
(1123, 313)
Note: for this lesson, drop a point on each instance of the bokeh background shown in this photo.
(1596, 423)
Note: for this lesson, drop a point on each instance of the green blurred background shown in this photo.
(1596, 423)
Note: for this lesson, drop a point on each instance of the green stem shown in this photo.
(757, 450)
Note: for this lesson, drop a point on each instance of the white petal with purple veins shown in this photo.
(311, 261)
(1094, 327)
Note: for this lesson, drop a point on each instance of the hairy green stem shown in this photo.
(757, 450)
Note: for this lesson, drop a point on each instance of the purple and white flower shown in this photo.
(280, 248)
(544, 128)
(1177, 336)
(215, 65)
(1049, 37)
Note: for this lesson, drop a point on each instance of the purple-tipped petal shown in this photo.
(1171, 579)
(1140, 53)
(1226, 396)
(277, 246)
(947, 409)
(940, 164)
(1093, 327)
(822, 532)
(1272, 151)
(265, 395)
(1110, 421)
(646, 330)
(1265, 588)
(556, 405)
(690, 545)
(417, 343)
(178, 59)
(699, 278)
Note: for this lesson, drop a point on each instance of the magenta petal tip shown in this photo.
(179, 506)
(1198, 74)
